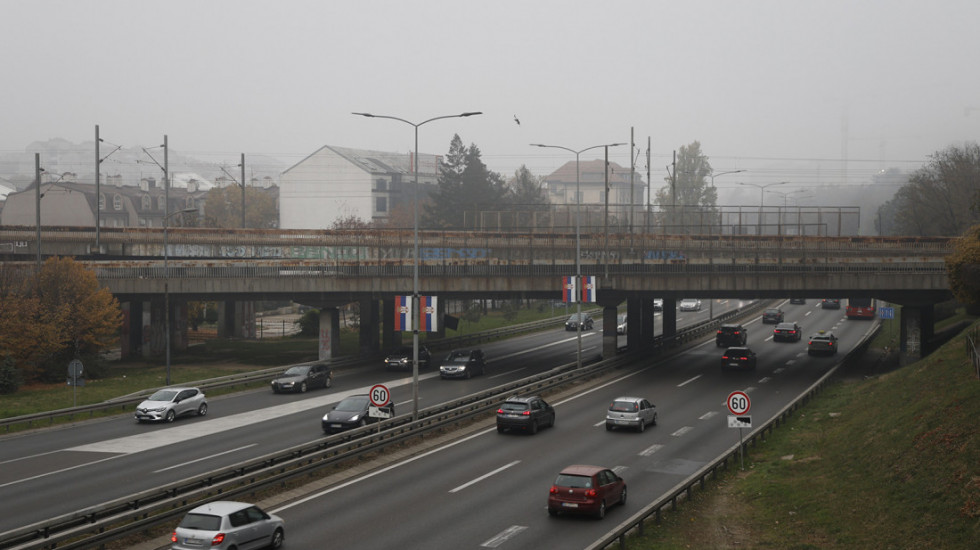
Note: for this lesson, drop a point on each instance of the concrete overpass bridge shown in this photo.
(327, 269)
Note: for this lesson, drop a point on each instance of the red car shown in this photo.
(582, 489)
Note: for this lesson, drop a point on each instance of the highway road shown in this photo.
(56, 471)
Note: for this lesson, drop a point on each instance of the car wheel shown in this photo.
(302, 388)
(468, 374)
(601, 513)
(279, 536)
(552, 512)
(534, 428)
(500, 429)
(275, 389)
(609, 427)
(642, 426)
(171, 415)
(328, 382)
(622, 496)
(362, 423)
(202, 410)
(654, 420)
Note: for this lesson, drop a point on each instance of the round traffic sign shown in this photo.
(379, 395)
(738, 402)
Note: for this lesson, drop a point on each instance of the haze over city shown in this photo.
(815, 94)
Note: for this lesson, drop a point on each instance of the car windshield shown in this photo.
(352, 404)
(204, 522)
(623, 406)
(163, 395)
(573, 481)
(575, 317)
(404, 351)
(296, 371)
(458, 356)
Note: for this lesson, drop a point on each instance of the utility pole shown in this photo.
(649, 184)
(632, 171)
(37, 207)
(98, 178)
(243, 190)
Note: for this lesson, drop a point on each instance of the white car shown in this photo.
(225, 524)
(690, 304)
(631, 412)
(621, 324)
(658, 304)
(169, 403)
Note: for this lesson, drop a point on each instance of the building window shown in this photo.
(381, 185)
(381, 204)
(101, 201)
(146, 202)
(161, 203)
(117, 202)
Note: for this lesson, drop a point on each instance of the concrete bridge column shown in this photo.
(670, 318)
(153, 327)
(634, 324)
(609, 336)
(916, 332)
(131, 339)
(389, 338)
(647, 324)
(369, 325)
(236, 319)
(329, 343)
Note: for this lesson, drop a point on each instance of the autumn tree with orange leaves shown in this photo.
(50, 318)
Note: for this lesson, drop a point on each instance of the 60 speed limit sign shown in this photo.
(738, 402)
(379, 395)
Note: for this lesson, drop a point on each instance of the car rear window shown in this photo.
(204, 522)
(575, 482)
(510, 406)
(623, 406)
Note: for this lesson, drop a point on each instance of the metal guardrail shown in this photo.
(972, 341)
(685, 489)
(128, 515)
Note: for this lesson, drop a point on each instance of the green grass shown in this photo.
(887, 462)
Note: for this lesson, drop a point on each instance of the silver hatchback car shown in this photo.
(631, 412)
(169, 403)
(226, 524)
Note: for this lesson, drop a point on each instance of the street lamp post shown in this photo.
(415, 257)
(578, 232)
(166, 283)
(762, 197)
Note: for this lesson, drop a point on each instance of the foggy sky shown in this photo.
(784, 90)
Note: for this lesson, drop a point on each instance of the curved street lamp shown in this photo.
(762, 197)
(415, 259)
(578, 231)
(166, 283)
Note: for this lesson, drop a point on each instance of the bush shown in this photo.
(10, 378)
(309, 323)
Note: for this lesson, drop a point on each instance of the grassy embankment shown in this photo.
(890, 460)
(213, 358)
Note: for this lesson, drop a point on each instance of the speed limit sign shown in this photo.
(738, 402)
(379, 395)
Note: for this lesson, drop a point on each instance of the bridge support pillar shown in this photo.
(131, 338)
(634, 324)
(389, 338)
(647, 334)
(916, 331)
(670, 318)
(329, 340)
(236, 319)
(368, 331)
(609, 336)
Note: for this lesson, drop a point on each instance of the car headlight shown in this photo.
(355, 417)
(158, 409)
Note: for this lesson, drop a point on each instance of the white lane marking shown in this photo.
(204, 458)
(39, 476)
(28, 457)
(508, 373)
(556, 343)
(502, 537)
(484, 476)
(682, 431)
(768, 339)
(707, 415)
(764, 380)
(619, 469)
(181, 434)
(600, 423)
(806, 314)
(749, 389)
(651, 449)
(686, 382)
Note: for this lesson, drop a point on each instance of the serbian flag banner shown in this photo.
(428, 314)
(568, 290)
(403, 313)
(588, 288)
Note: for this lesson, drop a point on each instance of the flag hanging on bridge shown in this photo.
(568, 293)
(588, 288)
(403, 313)
(428, 314)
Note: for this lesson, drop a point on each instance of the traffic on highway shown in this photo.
(488, 489)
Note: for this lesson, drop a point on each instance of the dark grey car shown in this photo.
(352, 412)
(300, 378)
(525, 414)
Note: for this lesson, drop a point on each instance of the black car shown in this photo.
(352, 412)
(573, 322)
(525, 414)
(797, 300)
(772, 316)
(787, 332)
(401, 358)
(731, 335)
(463, 363)
(738, 358)
(830, 303)
(300, 378)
